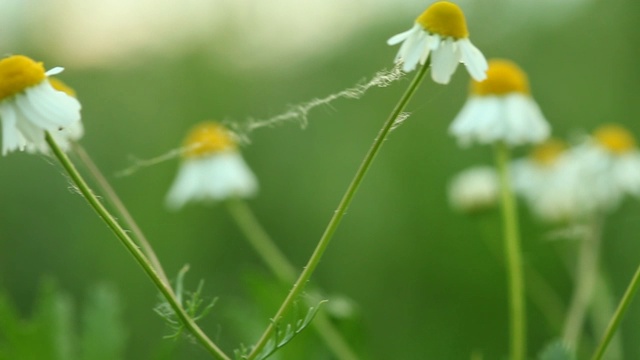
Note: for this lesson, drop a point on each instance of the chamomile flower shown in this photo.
(549, 181)
(212, 168)
(500, 109)
(441, 31)
(29, 105)
(474, 189)
(619, 147)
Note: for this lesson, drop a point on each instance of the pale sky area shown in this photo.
(247, 33)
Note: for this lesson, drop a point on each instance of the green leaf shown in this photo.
(104, 335)
(282, 337)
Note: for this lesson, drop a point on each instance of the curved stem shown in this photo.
(586, 277)
(129, 244)
(339, 213)
(285, 272)
(111, 195)
(619, 314)
(513, 252)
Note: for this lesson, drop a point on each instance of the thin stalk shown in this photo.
(133, 249)
(111, 195)
(619, 314)
(260, 240)
(285, 272)
(539, 291)
(586, 277)
(340, 211)
(600, 312)
(518, 348)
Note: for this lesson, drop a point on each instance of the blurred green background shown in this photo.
(425, 283)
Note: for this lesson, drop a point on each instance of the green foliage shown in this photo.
(284, 333)
(50, 333)
(557, 350)
(104, 335)
(192, 305)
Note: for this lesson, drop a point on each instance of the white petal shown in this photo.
(55, 71)
(398, 38)
(415, 52)
(473, 60)
(12, 139)
(444, 62)
(211, 178)
(184, 186)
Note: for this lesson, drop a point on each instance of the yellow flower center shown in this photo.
(548, 152)
(60, 86)
(208, 138)
(503, 77)
(615, 138)
(445, 19)
(18, 73)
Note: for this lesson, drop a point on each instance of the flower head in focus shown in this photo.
(474, 189)
(212, 168)
(30, 106)
(500, 109)
(441, 31)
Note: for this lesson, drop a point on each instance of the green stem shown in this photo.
(619, 314)
(260, 240)
(111, 195)
(340, 211)
(586, 277)
(600, 312)
(285, 272)
(515, 275)
(130, 245)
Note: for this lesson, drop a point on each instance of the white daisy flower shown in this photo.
(212, 169)
(619, 147)
(474, 189)
(441, 31)
(549, 181)
(500, 109)
(590, 178)
(29, 105)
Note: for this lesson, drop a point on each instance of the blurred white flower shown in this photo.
(474, 189)
(500, 109)
(619, 146)
(561, 184)
(212, 169)
(441, 31)
(549, 181)
(29, 105)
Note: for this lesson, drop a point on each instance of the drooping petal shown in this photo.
(444, 62)
(473, 60)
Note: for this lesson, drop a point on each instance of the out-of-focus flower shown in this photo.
(441, 31)
(590, 178)
(29, 105)
(500, 109)
(620, 147)
(474, 189)
(548, 179)
(212, 168)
